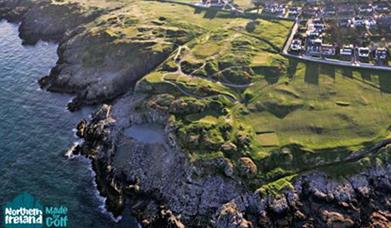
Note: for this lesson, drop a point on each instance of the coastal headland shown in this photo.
(203, 123)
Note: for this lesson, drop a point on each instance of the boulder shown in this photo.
(247, 167)
(230, 217)
(335, 219)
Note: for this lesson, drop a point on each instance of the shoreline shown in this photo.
(100, 135)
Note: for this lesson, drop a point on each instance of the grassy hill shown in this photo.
(231, 94)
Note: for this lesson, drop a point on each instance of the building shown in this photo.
(384, 23)
(296, 46)
(310, 12)
(329, 11)
(318, 25)
(346, 51)
(364, 52)
(315, 47)
(293, 12)
(382, 7)
(212, 3)
(365, 9)
(344, 23)
(381, 54)
(328, 50)
(345, 11)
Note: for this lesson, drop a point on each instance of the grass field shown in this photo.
(323, 107)
(231, 94)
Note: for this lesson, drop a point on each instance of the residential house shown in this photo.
(329, 11)
(345, 11)
(297, 45)
(344, 22)
(364, 53)
(382, 7)
(346, 51)
(365, 9)
(328, 50)
(381, 54)
(384, 22)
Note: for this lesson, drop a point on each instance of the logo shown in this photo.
(56, 216)
(25, 211)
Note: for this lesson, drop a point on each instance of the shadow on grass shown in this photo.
(210, 13)
(197, 10)
(312, 74)
(271, 74)
(384, 82)
(328, 70)
(347, 72)
(292, 67)
(366, 75)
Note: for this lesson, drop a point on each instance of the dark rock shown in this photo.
(81, 127)
(230, 216)
(166, 219)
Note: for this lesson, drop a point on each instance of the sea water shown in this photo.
(35, 132)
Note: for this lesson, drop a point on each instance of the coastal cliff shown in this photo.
(96, 63)
(194, 196)
(104, 56)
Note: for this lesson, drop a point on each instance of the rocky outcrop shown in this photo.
(230, 216)
(13, 10)
(44, 20)
(156, 178)
(97, 70)
(163, 188)
(316, 200)
(99, 59)
(247, 167)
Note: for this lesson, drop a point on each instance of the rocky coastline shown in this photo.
(158, 182)
(315, 200)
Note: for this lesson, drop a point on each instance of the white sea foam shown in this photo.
(69, 153)
(101, 199)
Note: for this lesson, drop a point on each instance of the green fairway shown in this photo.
(323, 107)
(229, 93)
